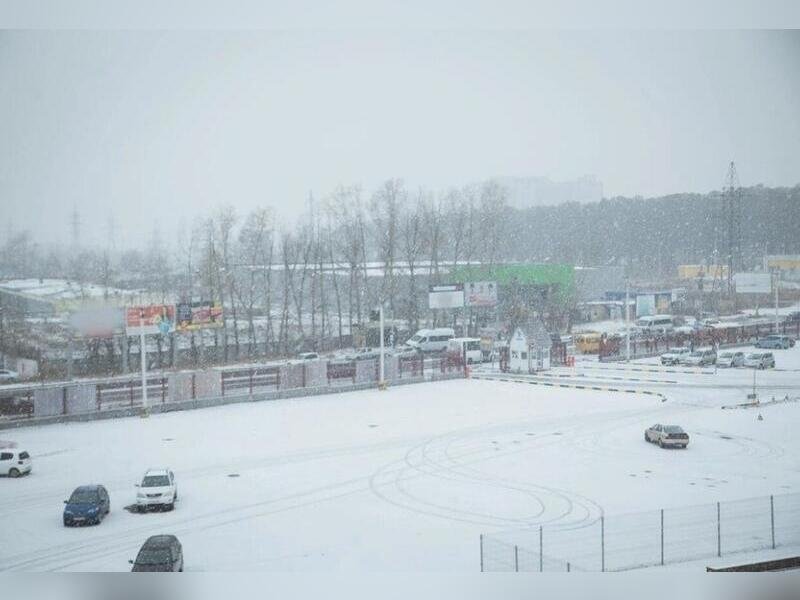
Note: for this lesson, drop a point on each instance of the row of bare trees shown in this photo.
(306, 285)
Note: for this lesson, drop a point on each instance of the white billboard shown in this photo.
(753, 283)
(645, 305)
(446, 296)
(480, 293)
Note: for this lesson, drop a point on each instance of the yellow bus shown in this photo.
(587, 343)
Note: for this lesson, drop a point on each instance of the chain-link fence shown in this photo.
(659, 537)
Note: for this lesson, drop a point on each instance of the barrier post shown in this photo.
(516, 559)
(481, 553)
(772, 518)
(602, 544)
(541, 554)
(719, 533)
(662, 537)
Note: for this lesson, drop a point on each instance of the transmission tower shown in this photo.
(730, 221)
(75, 225)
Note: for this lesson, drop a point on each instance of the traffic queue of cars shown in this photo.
(703, 357)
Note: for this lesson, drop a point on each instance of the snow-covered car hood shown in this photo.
(156, 490)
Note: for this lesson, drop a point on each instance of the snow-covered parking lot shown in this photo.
(401, 480)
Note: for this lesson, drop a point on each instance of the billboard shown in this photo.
(686, 272)
(446, 296)
(192, 316)
(101, 322)
(155, 318)
(645, 305)
(481, 293)
(753, 283)
(782, 262)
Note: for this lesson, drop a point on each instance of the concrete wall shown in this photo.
(180, 387)
(316, 373)
(292, 376)
(208, 384)
(81, 398)
(366, 370)
(48, 402)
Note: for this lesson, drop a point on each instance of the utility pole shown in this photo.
(777, 286)
(381, 382)
(143, 360)
(627, 322)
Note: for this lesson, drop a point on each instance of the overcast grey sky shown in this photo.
(162, 126)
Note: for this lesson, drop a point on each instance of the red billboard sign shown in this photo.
(155, 318)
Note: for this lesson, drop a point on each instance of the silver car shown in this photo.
(730, 359)
(760, 360)
(666, 436)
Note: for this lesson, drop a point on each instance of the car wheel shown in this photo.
(646, 439)
(660, 443)
(13, 472)
(171, 506)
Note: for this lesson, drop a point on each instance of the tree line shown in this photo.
(313, 282)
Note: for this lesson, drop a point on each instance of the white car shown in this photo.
(158, 489)
(730, 359)
(673, 356)
(8, 376)
(666, 435)
(700, 358)
(14, 462)
(760, 360)
(308, 356)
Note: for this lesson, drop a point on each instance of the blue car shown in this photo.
(87, 504)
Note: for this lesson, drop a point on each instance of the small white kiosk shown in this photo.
(529, 349)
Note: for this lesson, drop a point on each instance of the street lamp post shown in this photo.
(381, 382)
(143, 360)
(627, 325)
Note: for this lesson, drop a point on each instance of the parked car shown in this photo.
(793, 316)
(730, 359)
(700, 358)
(405, 351)
(760, 360)
(778, 342)
(162, 553)
(87, 504)
(158, 489)
(366, 354)
(8, 376)
(666, 435)
(15, 462)
(673, 356)
(308, 356)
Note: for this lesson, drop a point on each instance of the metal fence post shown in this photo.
(602, 544)
(719, 534)
(516, 559)
(567, 566)
(662, 537)
(481, 553)
(541, 552)
(772, 518)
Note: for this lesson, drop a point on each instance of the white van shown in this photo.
(432, 340)
(469, 347)
(655, 324)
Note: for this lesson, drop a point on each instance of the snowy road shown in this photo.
(401, 480)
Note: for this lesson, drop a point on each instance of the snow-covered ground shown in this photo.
(402, 480)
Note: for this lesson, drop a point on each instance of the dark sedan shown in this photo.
(161, 553)
(87, 504)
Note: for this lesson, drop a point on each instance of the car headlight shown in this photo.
(140, 495)
(67, 512)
